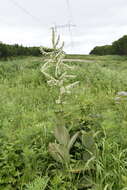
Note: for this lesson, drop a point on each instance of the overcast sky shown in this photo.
(28, 22)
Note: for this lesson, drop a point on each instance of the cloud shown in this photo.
(97, 22)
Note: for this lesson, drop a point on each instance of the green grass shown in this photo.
(27, 120)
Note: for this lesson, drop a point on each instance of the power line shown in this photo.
(69, 10)
(68, 25)
(70, 21)
(25, 11)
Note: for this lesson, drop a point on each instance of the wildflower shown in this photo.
(56, 71)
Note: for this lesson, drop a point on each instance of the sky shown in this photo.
(95, 22)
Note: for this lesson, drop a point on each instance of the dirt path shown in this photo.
(79, 60)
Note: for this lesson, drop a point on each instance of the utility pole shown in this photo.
(69, 26)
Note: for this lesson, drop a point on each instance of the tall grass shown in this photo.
(27, 120)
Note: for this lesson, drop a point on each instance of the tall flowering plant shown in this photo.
(57, 73)
(60, 75)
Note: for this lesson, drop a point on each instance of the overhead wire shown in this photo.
(69, 10)
(19, 6)
(26, 11)
(70, 22)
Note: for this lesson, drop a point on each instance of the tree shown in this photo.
(102, 50)
(118, 47)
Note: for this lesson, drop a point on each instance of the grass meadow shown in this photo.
(27, 121)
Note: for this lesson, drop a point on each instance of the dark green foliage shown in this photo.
(18, 50)
(21, 157)
(102, 50)
(118, 47)
(3, 50)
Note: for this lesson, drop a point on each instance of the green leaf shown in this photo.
(62, 135)
(89, 143)
(86, 155)
(40, 183)
(85, 182)
(73, 139)
(59, 152)
(87, 139)
(55, 151)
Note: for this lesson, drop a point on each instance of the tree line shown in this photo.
(118, 47)
(19, 50)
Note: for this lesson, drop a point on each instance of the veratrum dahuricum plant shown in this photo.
(57, 75)
(56, 72)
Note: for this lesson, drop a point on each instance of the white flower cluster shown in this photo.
(60, 70)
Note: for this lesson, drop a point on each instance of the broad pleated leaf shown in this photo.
(62, 135)
(55, 151)
(89, 142)
(73, 139)
(87, 139)
(59, 153)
